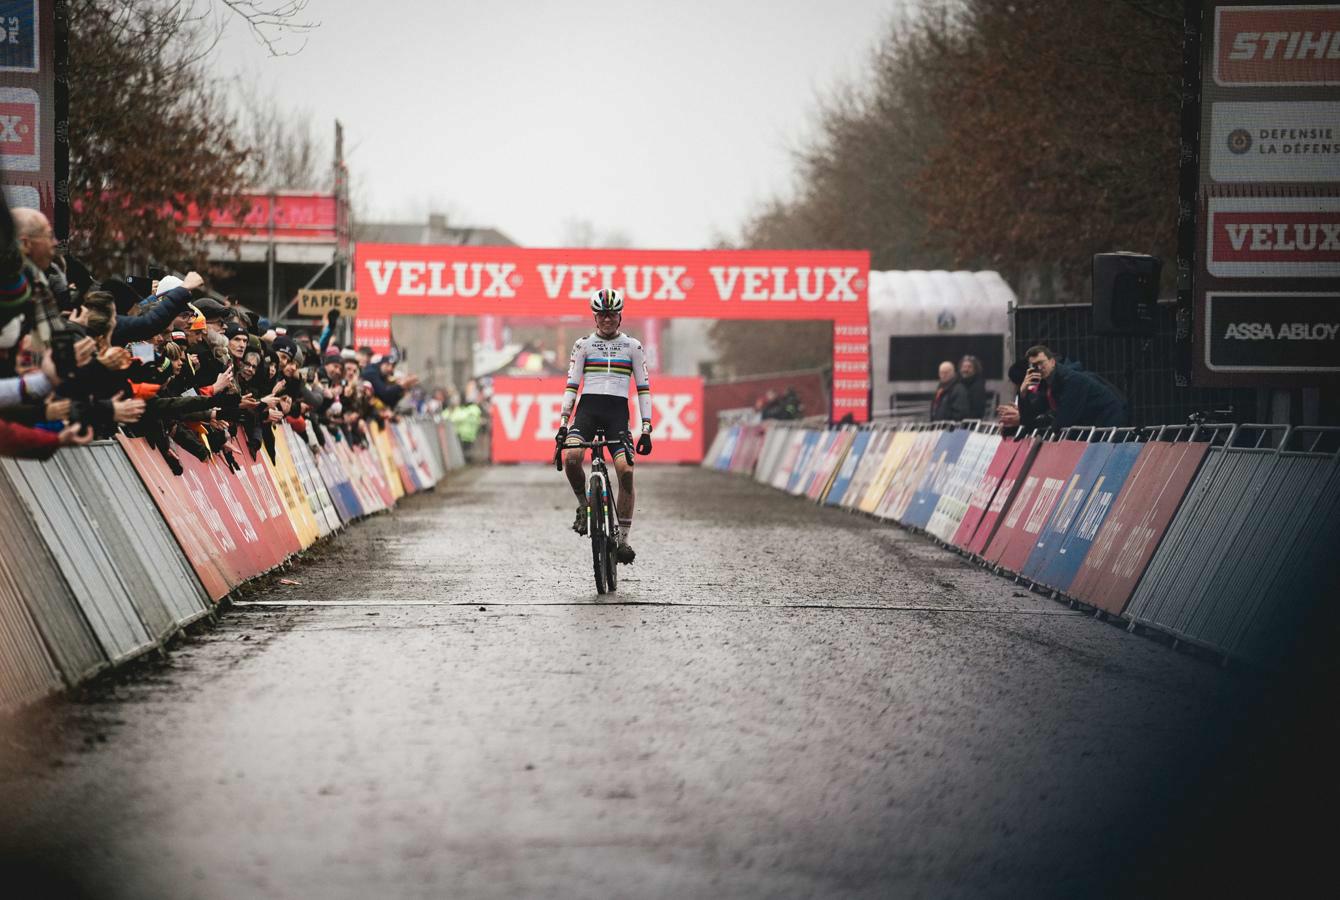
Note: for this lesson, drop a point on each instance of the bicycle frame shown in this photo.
(602, 523)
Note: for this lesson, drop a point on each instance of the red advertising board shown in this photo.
(1277, 45)
(411, 279)
(1254, 237)
(1010, 482)
(1131, 533)
(985, 491)
(526, 413)
(283, 216)
(230, 525)
(1033, 503)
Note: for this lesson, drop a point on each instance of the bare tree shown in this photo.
(285, 151)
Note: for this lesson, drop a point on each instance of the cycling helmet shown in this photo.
(607, 300)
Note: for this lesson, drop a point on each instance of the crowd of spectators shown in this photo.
(1049, 393)
(162, 360)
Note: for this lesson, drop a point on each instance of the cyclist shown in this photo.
(604, 364)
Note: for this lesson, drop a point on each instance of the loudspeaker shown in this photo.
(1125, 292)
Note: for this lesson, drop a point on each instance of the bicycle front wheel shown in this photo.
(598, 503)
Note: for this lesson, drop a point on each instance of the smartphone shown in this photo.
(62, 352)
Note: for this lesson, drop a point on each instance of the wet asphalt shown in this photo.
(780, 701)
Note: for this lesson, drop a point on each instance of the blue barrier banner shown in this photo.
(1065, 565)
(722, 462)
(844, 475)
(1066, 512)
(938, 472)
(803, 459)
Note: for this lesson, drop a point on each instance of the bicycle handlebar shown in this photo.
(588, 445)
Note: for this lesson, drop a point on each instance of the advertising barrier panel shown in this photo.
(1060, 569)
(897, 450)
(909, 475)
(827, 469)
(984, 491)
(953, 504)
(1048, 541)
(944, 457)
(1133, 530)
(297, 505)
(1033, 504)
(808, 446)
(526, 415)
(842, 481)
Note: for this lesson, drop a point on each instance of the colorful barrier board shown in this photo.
(1033, 504)
(944, 457)
(1048, 541)
(1128, 538)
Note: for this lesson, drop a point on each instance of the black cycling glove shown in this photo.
(561, 435)
(644, 444)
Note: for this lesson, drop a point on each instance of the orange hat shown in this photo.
(198, 323)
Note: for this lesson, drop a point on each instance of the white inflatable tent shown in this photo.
(918, 319)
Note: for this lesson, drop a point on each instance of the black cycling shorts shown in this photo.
(601, 412)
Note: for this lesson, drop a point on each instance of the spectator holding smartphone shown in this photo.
(1061, 395)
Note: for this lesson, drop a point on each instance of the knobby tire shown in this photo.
(599, 546)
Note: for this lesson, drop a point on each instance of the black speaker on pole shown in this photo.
(1125, 293)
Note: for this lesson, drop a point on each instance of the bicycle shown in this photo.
(602, 520)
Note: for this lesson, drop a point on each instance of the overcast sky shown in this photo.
(667, 121)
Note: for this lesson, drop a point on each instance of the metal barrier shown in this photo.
(1228, 571)
(55, 512)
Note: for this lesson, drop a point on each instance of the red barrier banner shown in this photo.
(526, 414)
(1010, 483)
(259, 484)
(1140, 516)
(190, 524)
(985, 491)
(1027, 513)
(225, 541)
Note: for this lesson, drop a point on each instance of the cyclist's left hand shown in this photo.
(644, 444)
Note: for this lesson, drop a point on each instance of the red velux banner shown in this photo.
(833, 285)
(294, 216)
(526, 413)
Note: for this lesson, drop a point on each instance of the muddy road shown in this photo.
(780, 701)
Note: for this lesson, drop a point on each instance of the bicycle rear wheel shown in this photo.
(595, 493)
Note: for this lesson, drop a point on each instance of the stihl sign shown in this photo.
(1285, 236)
(1277, 45)
(833, 285)
(526, 414)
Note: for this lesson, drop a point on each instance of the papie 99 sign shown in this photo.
(526, 413)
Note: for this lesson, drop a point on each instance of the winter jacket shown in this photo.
(1074, 397)
(154, 320)
(950, 403)
(22, 442)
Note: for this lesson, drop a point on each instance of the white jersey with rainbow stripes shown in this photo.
(601, 366)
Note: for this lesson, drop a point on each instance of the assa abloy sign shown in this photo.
(526, 414)
(1273, 332)
(1277, 45)
(1289, 237)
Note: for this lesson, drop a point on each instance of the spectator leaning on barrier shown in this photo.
(950, 403)
(1062, 395)
(974, 385)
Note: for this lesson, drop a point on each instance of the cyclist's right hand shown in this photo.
(561, 435)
